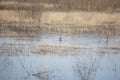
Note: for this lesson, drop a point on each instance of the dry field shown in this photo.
(75, 22)
(76, 18)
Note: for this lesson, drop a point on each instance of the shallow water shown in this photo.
(87, 65)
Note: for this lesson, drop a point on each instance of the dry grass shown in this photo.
(14, 16)
(79, 18)
(60, 49)
(110, 49)
(15, 5)
(11, 49)
(58, 18)
(85, 5)
(23, 22)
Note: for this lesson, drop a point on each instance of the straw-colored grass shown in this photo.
(79, 18)
(59, 18)
(60, 49)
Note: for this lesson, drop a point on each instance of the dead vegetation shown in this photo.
(31, 19)
(66, 5)
(30, 22)
(44, 75)
(86, 69)
(76, 18)
(13, 49)
(102, 31)
(60, 49)
(110, 49)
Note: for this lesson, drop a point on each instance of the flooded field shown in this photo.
(59, 39)
(59, 57)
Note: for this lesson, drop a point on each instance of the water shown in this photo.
(88, 64)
